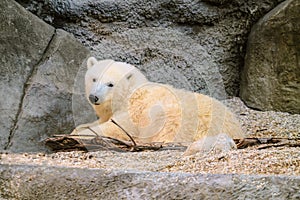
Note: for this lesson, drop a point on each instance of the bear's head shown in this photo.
(105, 78)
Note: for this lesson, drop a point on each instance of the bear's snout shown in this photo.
(93, 99)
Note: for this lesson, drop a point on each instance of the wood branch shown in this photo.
(64, 143)
(288, 144)
(98, 143)
(124, 131)
(264, 143)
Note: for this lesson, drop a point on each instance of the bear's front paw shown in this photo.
(90, 129)
(217, 144)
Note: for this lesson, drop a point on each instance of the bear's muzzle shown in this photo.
(93, 99)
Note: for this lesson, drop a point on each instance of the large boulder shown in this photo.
(39, 65)
(271, 75)
(196, 45)
(42, 182)
(23, 40)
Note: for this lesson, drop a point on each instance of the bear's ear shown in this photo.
(91, 62)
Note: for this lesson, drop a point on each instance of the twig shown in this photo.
(76, 142)
(279, 145)
(98, 136)
(264, 143)
(134, 144)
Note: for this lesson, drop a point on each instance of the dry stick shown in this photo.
(118, 142)
(113, 140)
(92, 130)
(279, 145)
(109, 144)
(98, 135)
(134, 144)
(56, 144)
(262, 142)
(266, 142)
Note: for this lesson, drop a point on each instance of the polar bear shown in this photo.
(126, 102)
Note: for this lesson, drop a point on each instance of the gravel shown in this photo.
(265, 124)
(271, 161)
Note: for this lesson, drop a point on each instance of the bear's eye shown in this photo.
(94, 80)
(110, 85)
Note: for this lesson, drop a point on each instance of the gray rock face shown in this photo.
(38, 68)
(271, 75)
(23, 40)
(196, 45)
(29, 182)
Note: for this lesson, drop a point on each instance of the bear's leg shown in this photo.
(85, 126)
(108, 129)
(218, 143)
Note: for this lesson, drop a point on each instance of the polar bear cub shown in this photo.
(126, 102)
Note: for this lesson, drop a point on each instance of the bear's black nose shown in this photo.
(93, 99)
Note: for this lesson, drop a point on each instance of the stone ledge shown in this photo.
(36, 182)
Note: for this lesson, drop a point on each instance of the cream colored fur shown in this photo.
(152, 112)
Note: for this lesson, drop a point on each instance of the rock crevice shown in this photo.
(27, 85)
(38, 69)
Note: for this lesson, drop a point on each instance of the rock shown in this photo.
(23, 38)
(196, 45)
(271, 75)
(32, 182)
(47, 105)
(39, 66)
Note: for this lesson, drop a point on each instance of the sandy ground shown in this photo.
(271, 161)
